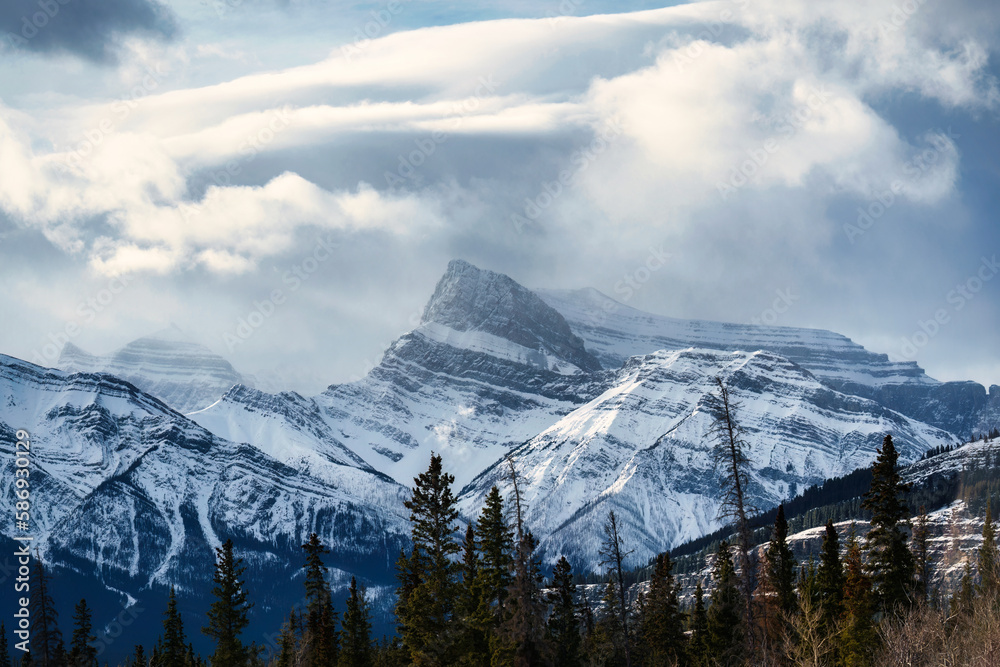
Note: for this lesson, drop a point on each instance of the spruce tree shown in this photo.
(470, 612)
(663, 632)
(890, 562)
(989, 564)
(496, 542)
(4, 652)
(858, 638)
(963, 598)
(173, 651)
(82, 654)
(356, 648)
(138, 657)
(725, 614)
(287, 644)
(563, 625)
(830, 578)
(320, 637)
(46, 640)
(426, 613)
(781, 564)
(227, 617)
(698, 644)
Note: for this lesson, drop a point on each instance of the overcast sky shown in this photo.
(185, 162)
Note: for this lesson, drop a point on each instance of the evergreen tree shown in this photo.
(425, 614)
(173, 651)
(227, 617)
(919, 545)
(138, 657)
(890, 562)
(287, 644)
(830, 578)
(46, 640)
(725, 617)
(858, 639)
(961, 601)
(781, 564)
(470, 609)
(521, 637)
(82, 654)
(563, 624)
(496, 542)
(663, 633)
(320, 637)
(613, 555)
(4, 652)
(357, 649)
(989, 564)
(698, 645)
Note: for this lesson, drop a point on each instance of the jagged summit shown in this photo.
(469, 299)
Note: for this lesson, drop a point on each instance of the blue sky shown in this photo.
(185, 162)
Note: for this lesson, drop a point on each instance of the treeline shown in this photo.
(478, 597)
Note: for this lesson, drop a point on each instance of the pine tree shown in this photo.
(320, 638)
(830, 579)
(470, 612)
(919, 545)
(496, 542)
(227, 617)
(356, 650)
(426, 613)
(138, 657)
(858, 639)
(563, 625)
(781, 564)
(521, 636)
(725, 617)
(890, 562)
(989, 564)
(730, 458)
(287, 644)
(4, 652)
(663, 632)
(613, 555)
(698, 645)
(46, 640)
(172, 652)
(82, 654)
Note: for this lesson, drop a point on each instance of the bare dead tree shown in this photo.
(613, 555)
(731, 462)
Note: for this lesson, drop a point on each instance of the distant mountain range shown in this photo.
(149, 457)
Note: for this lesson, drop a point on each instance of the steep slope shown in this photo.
(185, 375)
(640, 449)
(490, 366)
(614, 332)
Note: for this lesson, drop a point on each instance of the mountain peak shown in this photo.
(468, 298)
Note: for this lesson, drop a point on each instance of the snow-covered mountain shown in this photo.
(640, 449)
(185, 375)
(134, 494)
(598, 414)
(614, 331)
